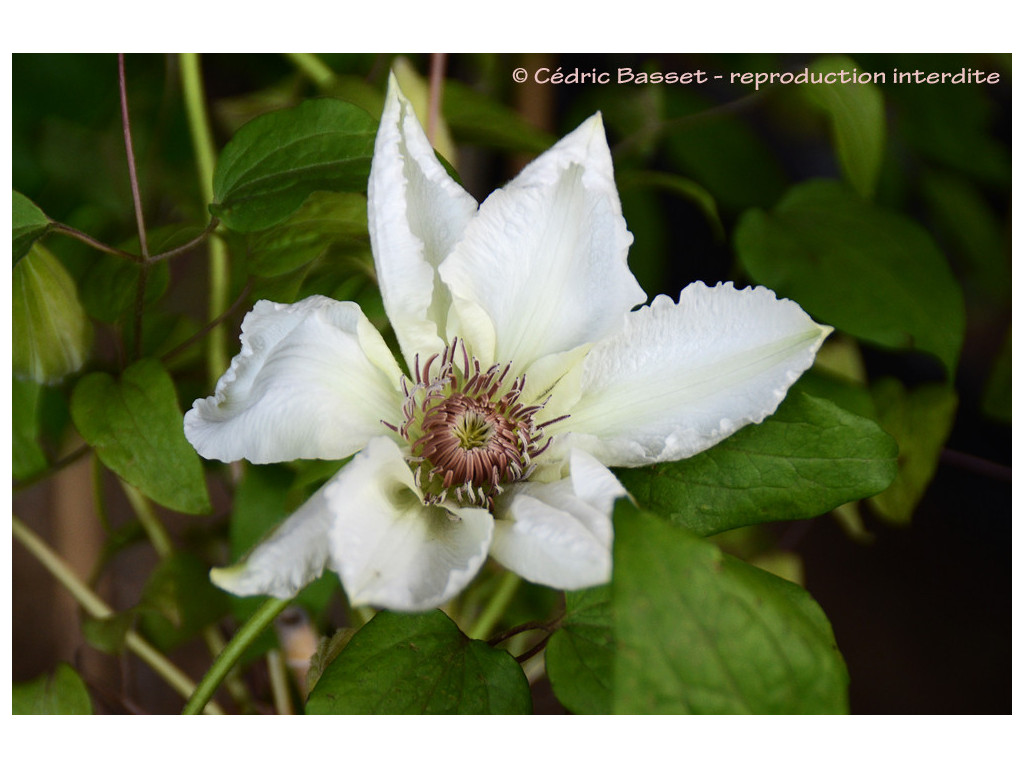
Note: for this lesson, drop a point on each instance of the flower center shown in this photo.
(468, 434)
(472, 429)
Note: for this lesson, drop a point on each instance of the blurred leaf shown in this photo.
(51, 333)
(870, 272)
(356, 90)
(28, 224)
(27, 457)
(231, 113)
(419, 664)
(635, 115)
(259, 505)
(62, 693)
(721, 152)
(840, 356)
(109, 287)
(264, 498)
(953, 124)
(475, 118)
(966, 224)
(679, 185)
(325, 218)
(580, 655)
(650, 254)
(805, 460)
(179, 600)
(856, 112)
(347, 275)
(135, 425)
(996, 399)
(275, 161)
(108, 634)
(920, 421)
(54, 414)
(785, 565)
(699, 632)
(849, 518)
(162, 333)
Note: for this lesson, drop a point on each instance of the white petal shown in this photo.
(389, 549)
(291, 557)
(416, 214)
(682, 377)
(545, 257)
(560, 533)
(313, 381)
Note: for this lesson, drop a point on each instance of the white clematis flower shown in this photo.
(530, 373)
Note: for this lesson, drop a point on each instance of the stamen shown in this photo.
(468, 434)
(553, 421)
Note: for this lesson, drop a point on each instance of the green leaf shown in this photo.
(179, 600)
(110, 285)
(325, 219)
(856, 112)
(27, 456)
(51, 333)
(419, 664)
(720, 151)
(135, 425)
(870, 272)
(920, 421)
(976, 237)
(953, 126)
(699, 632)
(260, 506)
(636, 115)
(580, 655)
(62, 693)
(28, 224)
(476, 119)
(108, 634)
(679, 185)
(808, 458)
(848, 395)
(275, 161)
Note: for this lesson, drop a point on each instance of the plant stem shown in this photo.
(140, 289)
(207, 231)
(57, 466)
(202, 143)
(312, 67)
(154, 529)
(164, 547)
(494, 609)
(279, 683)
(64, 229)
(210, 325)
(130, 154)
(437, 65)
(95, 607)
(232, 652)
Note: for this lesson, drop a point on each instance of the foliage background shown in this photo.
(921, 612)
